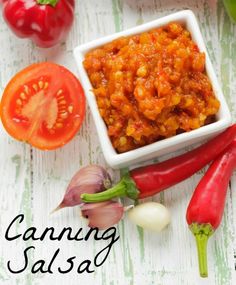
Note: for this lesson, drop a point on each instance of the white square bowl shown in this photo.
(116, 160)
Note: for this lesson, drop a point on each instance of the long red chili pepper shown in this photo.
(206, 207)
(46, 22)
(149, 180)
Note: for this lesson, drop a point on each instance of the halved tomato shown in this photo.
(43, 105)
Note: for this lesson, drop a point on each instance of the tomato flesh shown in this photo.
(43, 105)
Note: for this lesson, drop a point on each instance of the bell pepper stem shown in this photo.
(125, 188)
(202, 232)
(230, 6)
(53, 3)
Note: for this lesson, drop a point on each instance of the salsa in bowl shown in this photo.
(152, 89)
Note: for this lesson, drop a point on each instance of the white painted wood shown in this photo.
(33, 182)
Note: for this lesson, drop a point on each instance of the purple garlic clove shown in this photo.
(102, 215)
(89, 179)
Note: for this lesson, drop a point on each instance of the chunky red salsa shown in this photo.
(151, 86)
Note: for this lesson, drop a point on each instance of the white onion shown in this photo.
(150, 215)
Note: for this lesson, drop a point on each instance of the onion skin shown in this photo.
(89, 179)
(102, 215)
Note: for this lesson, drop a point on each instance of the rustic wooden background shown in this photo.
(33, 182)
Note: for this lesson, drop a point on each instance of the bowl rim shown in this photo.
(115, 159)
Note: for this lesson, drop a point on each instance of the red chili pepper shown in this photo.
(149, 180)
(206, 207)
(45, 22)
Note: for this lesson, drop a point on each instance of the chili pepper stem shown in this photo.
(118, 190)
(125, 188)
(202, 232)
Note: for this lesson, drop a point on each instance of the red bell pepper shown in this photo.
(45, 22)
(206, 207)
(149, 180)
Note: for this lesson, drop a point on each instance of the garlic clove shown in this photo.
(102, 215)
(89, 179)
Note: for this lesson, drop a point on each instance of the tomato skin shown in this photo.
(52, 109)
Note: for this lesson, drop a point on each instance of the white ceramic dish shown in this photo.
(115, 160)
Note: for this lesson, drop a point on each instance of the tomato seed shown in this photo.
(22, 96)
(60, 92)
(40, 84)
(70, 109)
(26, 89)
(64, 115)
(19, 102)
(35, 86)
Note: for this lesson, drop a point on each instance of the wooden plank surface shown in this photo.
(33, 182)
